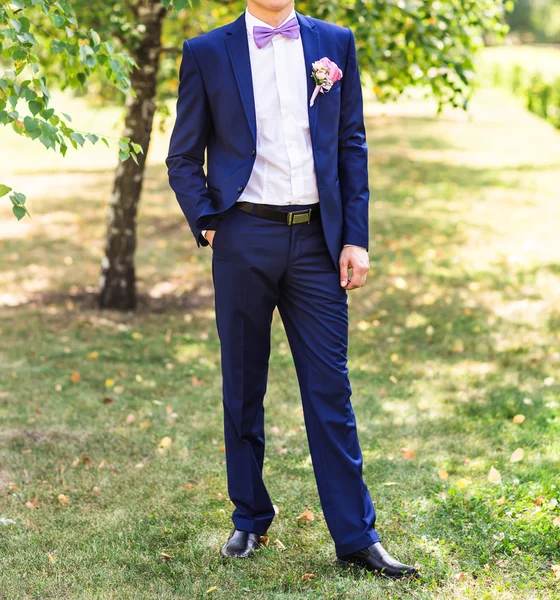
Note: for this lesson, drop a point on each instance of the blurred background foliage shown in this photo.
(536, 21)
(426, 45)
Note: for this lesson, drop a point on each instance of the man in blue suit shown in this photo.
(275, 101)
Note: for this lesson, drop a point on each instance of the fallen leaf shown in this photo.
(93, 355)
(308, 576)
(212, 589)
(276, 509)
(145, 425)
(408, 453)
(188, 486)
(518, 419)
(539, 500)
(75, 377)
(306, 515)
(502, 500)
(553, 503)
(118, 389)
(165, 556)
(460, 576)
(51, 558)
(443, 474)
(463, 482)
(556, 571)
(108, 400)
(166, 442)
(556, 521)
(64, 500)
(137, 335)
(494, 476)
(517, 455)
(275, 430)
(391, 483)
(96, 490)
(279, 545)
(130, 419)
(458, 346)
(264, 540)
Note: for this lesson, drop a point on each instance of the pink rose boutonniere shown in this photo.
(325, 74)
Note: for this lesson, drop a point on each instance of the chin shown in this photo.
(273, 5)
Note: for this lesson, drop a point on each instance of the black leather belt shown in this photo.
(273, 214)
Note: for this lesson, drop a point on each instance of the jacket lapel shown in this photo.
(310, 41)
(238, 49)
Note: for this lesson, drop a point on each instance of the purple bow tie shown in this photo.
(263, 35)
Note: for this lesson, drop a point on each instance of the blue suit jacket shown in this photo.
(216, 113)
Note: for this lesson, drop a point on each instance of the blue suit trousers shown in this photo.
(258, 265)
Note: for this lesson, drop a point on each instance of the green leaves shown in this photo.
(73, 55)
(18, 204)
(416, 43)
(177, 4)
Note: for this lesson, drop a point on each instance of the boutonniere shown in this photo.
(325, 74)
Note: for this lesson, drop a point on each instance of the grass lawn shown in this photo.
(456, 333)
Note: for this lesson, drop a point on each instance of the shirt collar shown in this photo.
(251, 21)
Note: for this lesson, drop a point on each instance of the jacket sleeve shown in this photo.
(189, 138)
(353, 154)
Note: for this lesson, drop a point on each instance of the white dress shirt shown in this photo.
(284, 169)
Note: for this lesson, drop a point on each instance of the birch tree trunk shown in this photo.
(118, 278)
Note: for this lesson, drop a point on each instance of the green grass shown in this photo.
(456, 332)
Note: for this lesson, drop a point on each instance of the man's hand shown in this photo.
(355, 258)
(210, 237)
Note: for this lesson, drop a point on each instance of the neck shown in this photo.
(271, 17)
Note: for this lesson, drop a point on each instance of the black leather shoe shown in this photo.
(375, 558)
(240, 544)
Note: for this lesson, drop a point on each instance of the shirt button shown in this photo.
(240, 189)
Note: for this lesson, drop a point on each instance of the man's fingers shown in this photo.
(344, 271)
(353, 258)
(358, 279)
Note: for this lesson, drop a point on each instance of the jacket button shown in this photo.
(254, 153)
(240, 189)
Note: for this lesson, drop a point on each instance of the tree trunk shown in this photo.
(118, 280)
